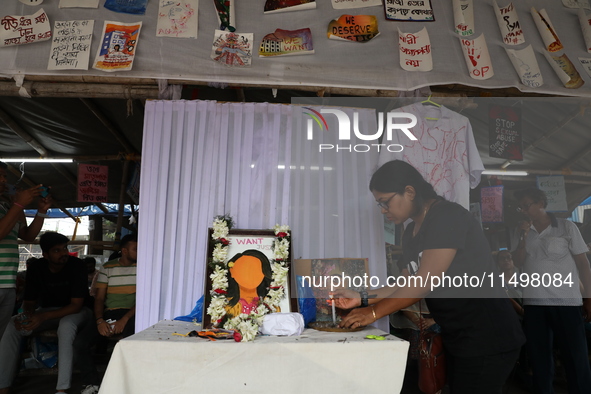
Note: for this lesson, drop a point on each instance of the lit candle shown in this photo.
(334, 312)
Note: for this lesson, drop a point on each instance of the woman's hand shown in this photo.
(359, 317)
(345, 298)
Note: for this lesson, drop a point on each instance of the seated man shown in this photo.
(115, 291)
(57, 285)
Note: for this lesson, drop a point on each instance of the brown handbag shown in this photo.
(431, 362)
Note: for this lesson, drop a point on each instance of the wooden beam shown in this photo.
(77, 90)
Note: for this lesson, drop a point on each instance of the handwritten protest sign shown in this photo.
(509, 25)
(586, 63)
(25, 29)
(93, 183)
(70, 45)
(504, 132)
(525, 63)
(415, 51)
(477, 57)
(553, 186)
(491, 204)
(356, 28)
(463, 17)
(409, 10)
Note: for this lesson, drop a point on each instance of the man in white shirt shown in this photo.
(552, 253)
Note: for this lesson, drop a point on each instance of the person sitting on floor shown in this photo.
(115, 291)
(57, 285)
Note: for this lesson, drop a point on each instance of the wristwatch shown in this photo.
(363, 295)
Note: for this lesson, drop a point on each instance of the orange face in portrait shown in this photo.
(247, 271)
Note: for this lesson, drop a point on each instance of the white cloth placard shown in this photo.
(288, 324)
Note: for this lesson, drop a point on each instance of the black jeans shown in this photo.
(87, 337)
(481, 374)
(83, 357)
(544, 324)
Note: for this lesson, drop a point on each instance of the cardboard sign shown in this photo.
(93, 183)
(509, 25)
(415, 51)
(553, 186)
(24, 29)
(504, 133)
(409, 10)
(491, 204)
(70, 45)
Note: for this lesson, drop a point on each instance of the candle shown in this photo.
(334, 312)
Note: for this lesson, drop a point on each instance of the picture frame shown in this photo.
(241, 240)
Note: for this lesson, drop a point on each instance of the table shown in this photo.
(155, 361)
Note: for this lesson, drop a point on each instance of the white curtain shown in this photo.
(252, 161)
(333, 213)
(202, 159)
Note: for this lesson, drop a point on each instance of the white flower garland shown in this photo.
(246, 324)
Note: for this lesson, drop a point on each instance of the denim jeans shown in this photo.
(67, 327)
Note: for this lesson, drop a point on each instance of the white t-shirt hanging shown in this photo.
(445, 152)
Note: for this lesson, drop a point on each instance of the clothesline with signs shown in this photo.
(457, 58)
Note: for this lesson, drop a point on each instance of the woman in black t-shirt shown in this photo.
(481, 333)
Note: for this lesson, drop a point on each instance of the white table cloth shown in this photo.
(155, 361)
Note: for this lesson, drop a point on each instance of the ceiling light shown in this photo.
(29, 160)
(504, 173)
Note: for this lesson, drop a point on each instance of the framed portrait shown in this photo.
(249, 273)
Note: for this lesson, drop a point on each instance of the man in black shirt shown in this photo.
(54, 298)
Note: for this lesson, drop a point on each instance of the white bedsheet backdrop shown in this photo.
(253, 162)
(191, 149)
(371, 65)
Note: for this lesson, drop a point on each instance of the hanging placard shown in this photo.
(553, 186)
(504, 133)
(491, 204)
(92, 183)
(409, 10)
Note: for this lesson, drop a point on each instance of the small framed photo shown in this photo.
(246, 269)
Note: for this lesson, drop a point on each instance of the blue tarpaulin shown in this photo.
(85, 211)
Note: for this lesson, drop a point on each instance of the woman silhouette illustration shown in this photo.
(249, 278)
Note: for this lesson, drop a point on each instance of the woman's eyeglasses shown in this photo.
(386, 204)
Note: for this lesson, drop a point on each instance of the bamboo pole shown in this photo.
(122, 192)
